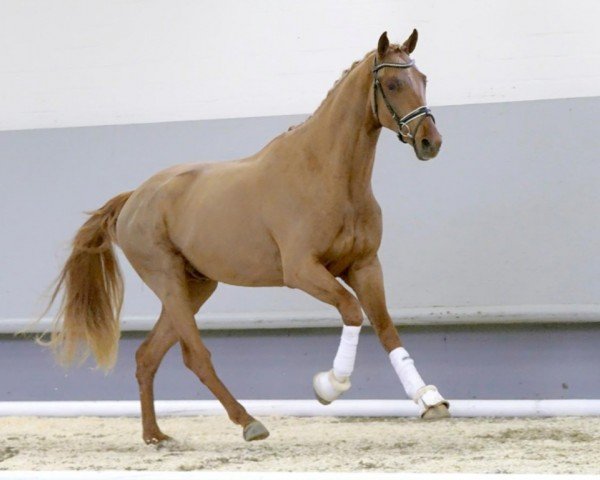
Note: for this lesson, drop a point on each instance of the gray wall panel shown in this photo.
(507, 215)
(518, 362)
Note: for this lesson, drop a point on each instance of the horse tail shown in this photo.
(92, 285)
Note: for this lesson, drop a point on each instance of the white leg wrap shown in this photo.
(343, 363)
(330, 385)
(407, 373)
(425, 396)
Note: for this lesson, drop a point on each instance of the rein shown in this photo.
(421, 112)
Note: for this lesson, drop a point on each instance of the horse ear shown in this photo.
(383, 45)
(411, 42)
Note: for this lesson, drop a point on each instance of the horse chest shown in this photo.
(353, 238)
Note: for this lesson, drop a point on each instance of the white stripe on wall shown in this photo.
(306, 408)
(411, 316)
(116, 62)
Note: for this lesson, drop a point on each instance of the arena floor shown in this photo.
(482, 445)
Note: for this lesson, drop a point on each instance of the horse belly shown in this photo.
(240, 266)
(230, 246)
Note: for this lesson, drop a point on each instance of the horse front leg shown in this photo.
(309, 275)
(366, 279)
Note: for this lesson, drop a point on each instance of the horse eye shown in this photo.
(393, 85)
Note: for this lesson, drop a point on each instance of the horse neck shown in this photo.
(343, 132)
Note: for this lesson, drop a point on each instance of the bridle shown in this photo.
(421, 112)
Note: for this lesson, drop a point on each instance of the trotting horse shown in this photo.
(300, 213)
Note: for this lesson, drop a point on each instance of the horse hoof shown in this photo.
(255, 431)
(321, 400)
(436, 412)
(328, 388)
(157, 439)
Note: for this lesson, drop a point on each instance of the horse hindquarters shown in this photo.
(144, 239)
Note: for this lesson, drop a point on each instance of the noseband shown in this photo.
(421, 112)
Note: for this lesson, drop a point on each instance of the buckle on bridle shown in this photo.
(402, 134)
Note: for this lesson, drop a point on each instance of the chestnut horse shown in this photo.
(299, 213)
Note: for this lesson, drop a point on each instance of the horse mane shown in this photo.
(345, 73)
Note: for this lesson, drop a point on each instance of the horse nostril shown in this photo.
(425, 143)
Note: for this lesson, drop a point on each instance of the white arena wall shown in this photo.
(501, 227)
(105, 62)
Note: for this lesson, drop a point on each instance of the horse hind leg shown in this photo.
(164, 271)
(148, 358)
(151, 352)
(197, 359)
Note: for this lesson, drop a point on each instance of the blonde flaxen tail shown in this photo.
(92, 286)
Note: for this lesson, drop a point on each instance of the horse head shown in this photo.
(399, 97)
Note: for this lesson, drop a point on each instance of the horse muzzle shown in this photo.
(427, 148)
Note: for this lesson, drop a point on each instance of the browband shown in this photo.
(378, 67)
